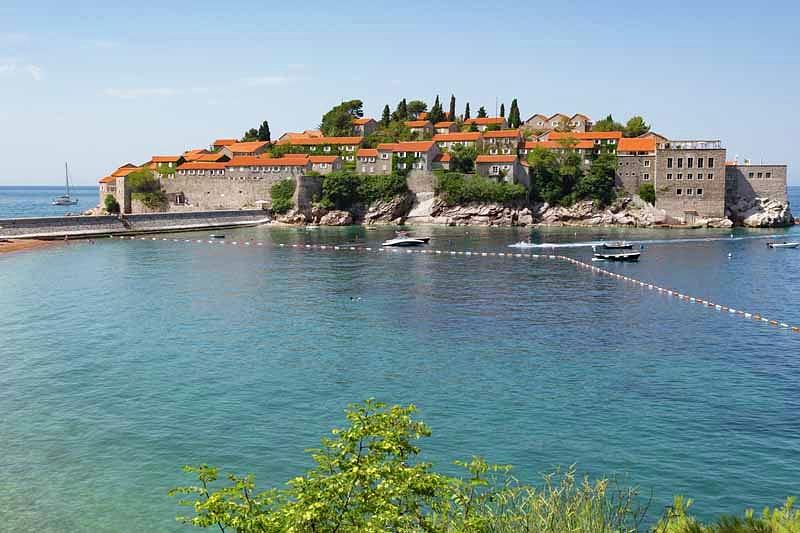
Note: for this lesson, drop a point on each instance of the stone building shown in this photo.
(325, 164)
(344, 146)
(420, 128)
(446, 141)
(690, 179)
(364, 126)
(502, 142)
(505, 168)
(367, 162)
(245, 149)
(446, 126)
(577, 123)
(484, 123)
(635, 163)
(744, 183)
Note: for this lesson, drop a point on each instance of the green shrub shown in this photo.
(110, 203)
(369, 478)
(282, 194)
(454, 188)
(648, 193)
(382, 187)
(344, 189)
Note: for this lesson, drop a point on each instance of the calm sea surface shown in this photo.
(121, 361)
(35, 201)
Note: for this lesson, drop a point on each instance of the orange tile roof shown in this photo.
(485, 158)
(367, 152)
(591, 135)
(444, 158)
(107, 179)
(210, 158)
(194, 155)
(423, 115)
(124, 171)
(555, 145)
(267, 161)
(637, 145)
(225, 142)
(362, 121)
(411, 146)
(246, 147)
(485, 121)
(165, 158)
(201, 165)
(321, 141)
(416, 123)
(330, 159)
(501, 134)
(444, 124)
(458, 136)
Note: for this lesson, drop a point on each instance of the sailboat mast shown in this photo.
(66, 175)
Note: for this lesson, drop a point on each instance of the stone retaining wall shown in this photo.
(87, 226)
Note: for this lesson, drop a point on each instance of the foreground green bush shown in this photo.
(455, 189)
(282, 194)
(648, 193)
(369, 479)
(110, 203)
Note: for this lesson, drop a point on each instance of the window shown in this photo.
(401, 154)
(769, 175)
(326, 149)
(699, 192)
(689, 162)
(689, 192)
(710, 162)
(384, 156)
(647, 163)
(363, 169)
(669, 176)
(669, 162)
(680, 162)
(540, 123)
(646, 177)
(699, 174)
(612, 141)
(689, 176)
(710, 176)
(597, 142)
(495, 169)
(679, 177)
(678, 192)
(699, 162)
(750, 175)
(759, 175)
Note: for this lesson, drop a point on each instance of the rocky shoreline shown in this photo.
(625, 211)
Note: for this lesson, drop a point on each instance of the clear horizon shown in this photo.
(104, 85)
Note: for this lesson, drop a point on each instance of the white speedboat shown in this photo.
(783, 244)
(404, 241)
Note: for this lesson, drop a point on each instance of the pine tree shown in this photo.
(466, 112)
(481, 112)
(452, 108)
(386, 117)
(263, 132)
(503, 110)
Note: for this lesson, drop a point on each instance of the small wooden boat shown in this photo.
(217, 236)
(623, 256)
(783, 244)
(617, 245)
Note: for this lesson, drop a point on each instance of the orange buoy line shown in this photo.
(432, 251)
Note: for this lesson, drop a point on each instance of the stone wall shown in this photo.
(632, 171)
(421, 181)
(672, 183)
(308, 189)
(747, 182)
(234, 191)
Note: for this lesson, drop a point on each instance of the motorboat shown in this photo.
(631, 257)
(405, 241)
(217, 236)
(783, 244)
(405, 234)
(617, 245)
(65, 199)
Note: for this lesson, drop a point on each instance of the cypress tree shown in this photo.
(466, 112)
(514, 120)
(436, 113)
(481, 112)
(263, 132)
(386, 117)
(452, 108)
(503, 110)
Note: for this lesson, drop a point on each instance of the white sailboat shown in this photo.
(65, 199)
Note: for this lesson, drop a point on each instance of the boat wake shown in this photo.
(589, 244)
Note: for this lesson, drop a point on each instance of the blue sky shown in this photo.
(100, 85)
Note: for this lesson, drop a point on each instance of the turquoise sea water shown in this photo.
(121, 361)
(35, 201)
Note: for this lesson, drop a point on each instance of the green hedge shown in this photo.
(343, 189)
(648, 193)
(457, 189)
(282, 194)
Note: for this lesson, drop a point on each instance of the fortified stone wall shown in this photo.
(747, 182)
(421, 181)
(308, 189)
(707, 198)
(228, 192)
(631, 171)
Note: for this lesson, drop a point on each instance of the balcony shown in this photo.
(690, 145)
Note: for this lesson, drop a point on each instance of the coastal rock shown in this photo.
(392, 211)
(761, 213)
(292, 217)
(337, 218)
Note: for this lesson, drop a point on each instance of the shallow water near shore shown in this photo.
(122, 360)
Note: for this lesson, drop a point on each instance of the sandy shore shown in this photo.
(18, 245)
